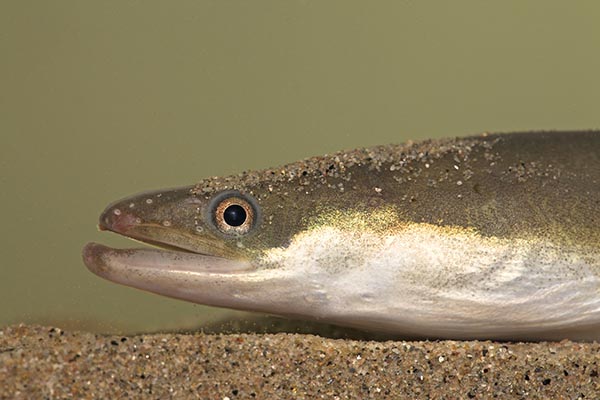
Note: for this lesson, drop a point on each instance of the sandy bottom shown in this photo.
(44, 362)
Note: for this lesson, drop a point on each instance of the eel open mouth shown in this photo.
(174, 252)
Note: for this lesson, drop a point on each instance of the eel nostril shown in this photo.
(117, 220)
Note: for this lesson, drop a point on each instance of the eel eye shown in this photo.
(234, 214)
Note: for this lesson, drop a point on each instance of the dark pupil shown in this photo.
(234, 215)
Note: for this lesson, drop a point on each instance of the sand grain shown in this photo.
(44, 362)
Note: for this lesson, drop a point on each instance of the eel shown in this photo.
(493, 236)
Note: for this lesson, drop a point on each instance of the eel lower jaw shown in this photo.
(113, 264)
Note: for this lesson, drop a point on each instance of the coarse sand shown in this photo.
(48, 363)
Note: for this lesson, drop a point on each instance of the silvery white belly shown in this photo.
(425, 280)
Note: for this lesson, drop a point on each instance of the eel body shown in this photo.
(495, 236)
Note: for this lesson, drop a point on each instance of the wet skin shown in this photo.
(492, 236)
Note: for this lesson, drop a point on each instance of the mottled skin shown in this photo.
(545, 183)
(540, 185)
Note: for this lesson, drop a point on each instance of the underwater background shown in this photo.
(100, 100)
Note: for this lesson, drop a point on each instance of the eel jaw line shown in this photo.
(107, 262)
(199, 278)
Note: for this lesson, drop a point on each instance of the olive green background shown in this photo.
(102, 99)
